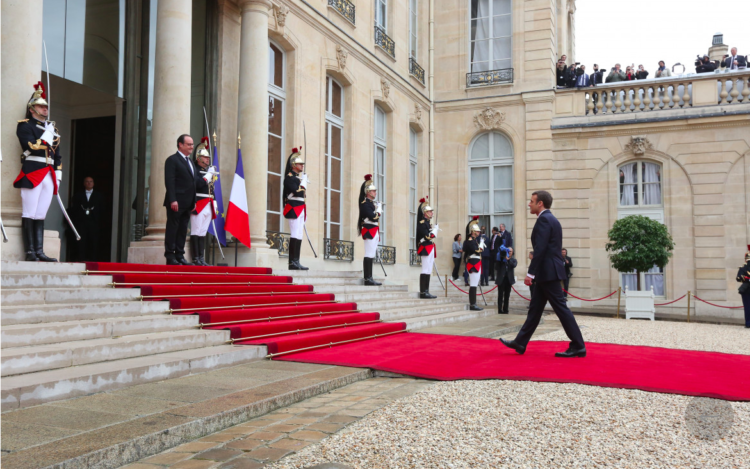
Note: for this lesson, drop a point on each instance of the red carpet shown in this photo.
(109, 267)
(159, 292)
(240, 302)
(273, 312)
(443, 357)
(194, 279)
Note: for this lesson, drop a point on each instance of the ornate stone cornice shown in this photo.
(613, 132)
(489, 118)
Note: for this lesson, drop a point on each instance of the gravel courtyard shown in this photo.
(525, 424)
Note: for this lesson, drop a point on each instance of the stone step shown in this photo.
(35, 314)
(55, 332)
(396, 314)
(442, 319)
(346, 289)
(319, 282)
(46, 386)
(59, 268)
(33, 296)
(303, 274)
(84, 352)
(404, 303)
(17, 281)
(376, 296)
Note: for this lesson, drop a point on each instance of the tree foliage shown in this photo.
(637, 243)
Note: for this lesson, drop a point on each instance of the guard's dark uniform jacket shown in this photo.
(368, 219)
(294, 196)
(39, 157)
(425, 245)
(472, 255)
(204, 193)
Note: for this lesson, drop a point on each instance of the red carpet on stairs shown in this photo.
(195, 279)
(110, 267)
(159, 292)
(299, 325)
(189, 305)
(273, 312)
(444, 357)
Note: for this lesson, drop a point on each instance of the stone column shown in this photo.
(253, 118)
(171, 116)
(21, 68)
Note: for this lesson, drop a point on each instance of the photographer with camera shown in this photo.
(505, 277)
(662, 71)
(704, 65)
(641, 73)
(597, 78)
(616, 75)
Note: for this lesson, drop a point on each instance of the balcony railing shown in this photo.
(414, 258)
(383, 41)
(338, 250)
(415, 70)
(386, 255)
(345, 8)
(279, 241)
(490, 77)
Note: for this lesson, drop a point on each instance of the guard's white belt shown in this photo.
(298, 199)
(40, 159)
(204, 195)
(475, 256)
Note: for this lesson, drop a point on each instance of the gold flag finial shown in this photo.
(239, 137)
(215, 142)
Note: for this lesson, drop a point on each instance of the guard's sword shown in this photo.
(437, 199)
(49, 109)
(2, 227)
(304, 133)
(211, 163)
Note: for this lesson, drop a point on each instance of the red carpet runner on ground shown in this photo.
(258, 307)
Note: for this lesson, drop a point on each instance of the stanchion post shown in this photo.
(446, 285)
(619, 291)
(688, 295)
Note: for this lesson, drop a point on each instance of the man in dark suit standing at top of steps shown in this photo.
(547, 270)
(179, 180)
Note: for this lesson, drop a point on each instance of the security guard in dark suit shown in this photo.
(85, 211)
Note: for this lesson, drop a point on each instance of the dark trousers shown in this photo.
(87, 248)
(746, 304)
(484, 278)
(566, 284)
(551, 292)
(176, 233)
(466, 275)
(456, 266)
(503, 296)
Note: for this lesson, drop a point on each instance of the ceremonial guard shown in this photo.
(426, 233)
(368, 225)
(205, 206)
(473, 248)
(295, 210)
(41, 172)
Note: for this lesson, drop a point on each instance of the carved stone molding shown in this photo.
(385, 87)
(280, 12)
(639, 145)
(341, 55)
(417, 112)
(489, 118)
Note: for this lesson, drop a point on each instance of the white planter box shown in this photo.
(639, 304)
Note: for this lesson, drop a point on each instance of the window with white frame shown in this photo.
(379, 165)
(381, 14)
(413, 186)
(276, 161)
(640, 193)
(333, 157)
(491, 180)
(491, 35)
(413, 28)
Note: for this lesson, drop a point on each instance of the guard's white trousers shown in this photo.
(36, 201)
(297, 226)
(474, 278)
(199, 223)
(371, 246)
(427, 262)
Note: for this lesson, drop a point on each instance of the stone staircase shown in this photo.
(66, 334)
(517, 304)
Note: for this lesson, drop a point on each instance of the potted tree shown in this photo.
(638, 243)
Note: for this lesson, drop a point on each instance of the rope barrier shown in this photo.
(584, 299)
(718, 306)
(673, 301)
(514, 289)
(466, 293)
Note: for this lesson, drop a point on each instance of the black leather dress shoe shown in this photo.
(182, 261)
(172, 262)
(520, 349)
(570, 353)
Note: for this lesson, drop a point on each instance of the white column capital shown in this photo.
(258, 6)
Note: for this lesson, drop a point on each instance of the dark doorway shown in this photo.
(94, 155)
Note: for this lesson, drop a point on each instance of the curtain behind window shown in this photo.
(651, 184)
(628, 184)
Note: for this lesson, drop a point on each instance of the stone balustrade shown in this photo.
(642, 96)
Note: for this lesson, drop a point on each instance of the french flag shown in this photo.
(238, 223)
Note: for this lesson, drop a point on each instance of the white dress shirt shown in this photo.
(88, 194)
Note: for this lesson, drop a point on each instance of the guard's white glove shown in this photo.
(434, 231)
(303, 180)
(211, 174)
(49, 133)
(379, 208)
(58, 176)
(482, 245)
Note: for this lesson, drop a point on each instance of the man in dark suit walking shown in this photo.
(85, 211)
(547, 270)
(179, 179)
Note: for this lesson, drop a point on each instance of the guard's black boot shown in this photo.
(424, 287)
(27, 231)
(473, 299)
(299, 252)
(367, 268)
(292, 254)
(372, 280)
(194, 246)
(39, 242)
(202, 251)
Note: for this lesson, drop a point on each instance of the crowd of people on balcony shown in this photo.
(576, 76)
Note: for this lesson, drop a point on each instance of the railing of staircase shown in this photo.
(414, 258)
(338, 250)
(279, 241)
(386, 255)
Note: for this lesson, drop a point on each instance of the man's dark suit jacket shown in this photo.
(546, 239)
(506, 270)
(77, 207)
(179, 182)
(508, 239)
(739, 58)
